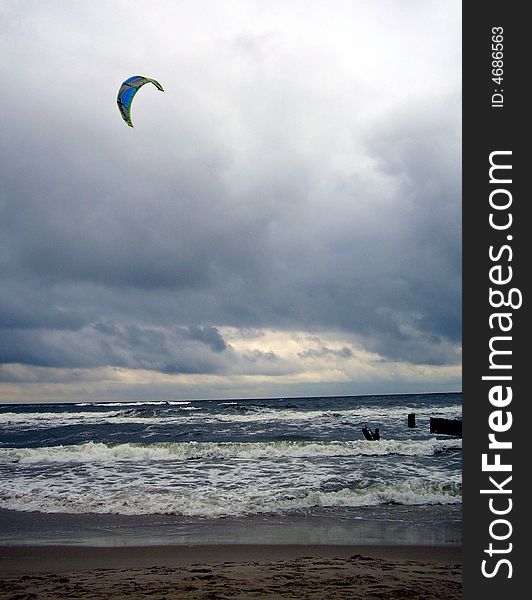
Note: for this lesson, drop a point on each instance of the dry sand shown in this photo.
(230, 572)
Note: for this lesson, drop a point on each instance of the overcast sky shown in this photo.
(283, 220)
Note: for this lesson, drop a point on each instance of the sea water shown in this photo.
(256, 464)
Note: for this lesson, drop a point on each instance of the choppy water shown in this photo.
(220, 458)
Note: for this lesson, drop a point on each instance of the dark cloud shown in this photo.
(208, 335)
(324, 351)
(265, 202)
(177, 350)
(257, 355)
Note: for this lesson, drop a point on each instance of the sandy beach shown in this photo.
(236, 571)
(225, 500)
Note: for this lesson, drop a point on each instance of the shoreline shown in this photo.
(64, 558)
(369, 527)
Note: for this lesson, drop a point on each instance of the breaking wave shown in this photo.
(243, 501)
(169, 451)
(181, 413)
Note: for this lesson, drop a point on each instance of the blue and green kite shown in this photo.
(127, 92)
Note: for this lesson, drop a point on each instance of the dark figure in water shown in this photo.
(370, 435)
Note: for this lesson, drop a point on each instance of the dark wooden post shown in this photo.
(446, 426)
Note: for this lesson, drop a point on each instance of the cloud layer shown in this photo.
(300, 176)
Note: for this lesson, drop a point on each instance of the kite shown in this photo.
(127, 92)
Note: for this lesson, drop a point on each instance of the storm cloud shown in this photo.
(300, 175)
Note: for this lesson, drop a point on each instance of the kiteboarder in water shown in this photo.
(371, 436)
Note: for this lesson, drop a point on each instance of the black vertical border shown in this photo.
(487, 129)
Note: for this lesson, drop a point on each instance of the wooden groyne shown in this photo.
(446, 426)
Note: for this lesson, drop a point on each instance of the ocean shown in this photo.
(281, 470)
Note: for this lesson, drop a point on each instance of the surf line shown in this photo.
(503, 300)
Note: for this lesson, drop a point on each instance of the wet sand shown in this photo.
(230, 571)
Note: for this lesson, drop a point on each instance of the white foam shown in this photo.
(32, 419)
(98, 452)
(355, 414)
(197, 415)
(46, 420)
(144, 403)
(212, 502)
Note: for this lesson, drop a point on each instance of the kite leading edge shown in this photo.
(127, 92)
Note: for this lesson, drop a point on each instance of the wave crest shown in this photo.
(227, 503)
(174, 451)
